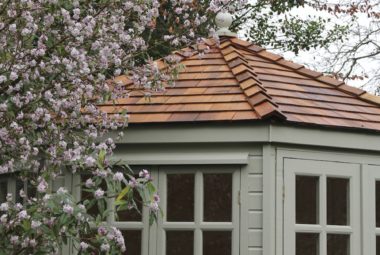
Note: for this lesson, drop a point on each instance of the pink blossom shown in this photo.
(68, 209)
(118, 176)
(42, 186)
(99, 193)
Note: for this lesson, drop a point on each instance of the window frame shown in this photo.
(323, 169)
(199, 225)
(371, 175)
(153, 237)
(11, 184)
(143, 225)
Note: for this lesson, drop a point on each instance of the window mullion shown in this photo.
(323, 214)
(198, 213)
(12, 187)
(111, 208)
(235, 211)
(149, 245)
(162, 181)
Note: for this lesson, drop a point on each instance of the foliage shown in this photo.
(58, 60)
(356, 57)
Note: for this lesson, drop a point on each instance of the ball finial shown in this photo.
(223, 21)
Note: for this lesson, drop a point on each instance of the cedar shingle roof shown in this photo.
(237, 80)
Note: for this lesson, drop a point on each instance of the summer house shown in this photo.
(253, 155)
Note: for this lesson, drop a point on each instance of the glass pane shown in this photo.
(217, 243)
(338, 244)
(217, 197)
(307, 199)
(378, 204)
(20, 185)
(31, 190)
(179, 242)
(338, 201)
(3, 191)
(180, 197)
(132, 239)
(377, 245)
(131, 215)
(307, 243)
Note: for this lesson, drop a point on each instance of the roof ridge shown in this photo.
(318, 76)
(249, 82)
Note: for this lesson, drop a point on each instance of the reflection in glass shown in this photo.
(20, 185)
(179, 242)
(180, 196)
(217, 243)
(3, 191)
(132, 239)
(307, 244)
(217, 197)
(307, 199)
(338, 244)
(338, 201)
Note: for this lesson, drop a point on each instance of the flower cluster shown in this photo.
(58, 61)
(31, 226)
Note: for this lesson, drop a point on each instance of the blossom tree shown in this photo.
(58, 61)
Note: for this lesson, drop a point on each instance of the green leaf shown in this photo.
(123, 193)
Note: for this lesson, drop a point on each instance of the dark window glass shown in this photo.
(217, 197)
(217, 243)
(378, 204)
(20, 185)
(338, 244)
(180, 197)
(377, 245)
(337, 201)
(307, 199)
(132, 239)
(307, 244)
(179, 243)
(3, 191)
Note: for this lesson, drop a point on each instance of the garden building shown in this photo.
(253, 155)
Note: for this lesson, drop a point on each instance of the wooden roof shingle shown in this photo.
(237, 80)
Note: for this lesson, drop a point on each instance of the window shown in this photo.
(371, 203)
(133, 224)
(201, 211)
(201, 214)
(321, 208)
(11, 184)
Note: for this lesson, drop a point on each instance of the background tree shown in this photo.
(353, 56)
(269, 23)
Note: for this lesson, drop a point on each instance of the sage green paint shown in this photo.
(259, 151)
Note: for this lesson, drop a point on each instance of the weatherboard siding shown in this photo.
(252, 206)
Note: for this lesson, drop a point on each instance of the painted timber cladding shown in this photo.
(251, 239)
